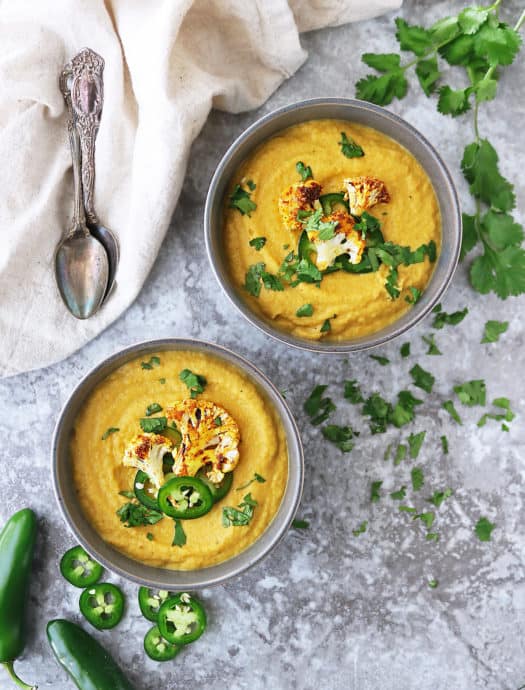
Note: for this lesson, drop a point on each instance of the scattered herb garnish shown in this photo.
(416, 475)
(405, 350)
(134, 514)
(438, 497)
(340, 436)
(482, 45)
(415, 441)
(326, 327)
(426, 518)
(507, 416)
(399, 495)
(493, 330)
(349, 147)
(300, 524)
(152, 409)
(448, 405)
(422, 379)
(240, 516)
(360, 529)
(108, 432)
(352, 392)
(153, 362)
(471, 393)
(257, 243)
(414, 295)
(305, 171)
(444, 444)
(305, 310)
(149, 536)
(374, 491)
(127, 494)
(217, 421)
(432, 536)
(317, 407)
(483, 529)
(383, 361)
(433, 584)
(162, 380)
(241, 199)
(257, 276)
(442, 318)
(153, 425)
(194, 382)
(401, 453)
(179, 536)
(256, 478)
(432, 347)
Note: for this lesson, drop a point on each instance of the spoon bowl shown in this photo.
(108, 240)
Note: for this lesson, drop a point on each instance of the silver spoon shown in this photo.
(81, 262)
(82, 86)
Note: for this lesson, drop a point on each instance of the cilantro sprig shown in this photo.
(479, 43)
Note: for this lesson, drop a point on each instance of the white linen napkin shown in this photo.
(167, 63)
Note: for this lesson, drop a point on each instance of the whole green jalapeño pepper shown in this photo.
(102, 605)
(182, 619)
(17, 541)
(185, 498)
(86, 661)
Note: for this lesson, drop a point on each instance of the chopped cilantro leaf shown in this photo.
(433, 584)
(374, 491)
(326, 327)
(162, 380)
(407, 509)
(300, 524)
(194, 382)
(383, 361)
(152, 409)
(305, 310)
(378, 409)
(432, 536)
(414, 296)
(471, 393)
(257, 243)
(179, 536)
(241, 515)
(444, 444)
(483, 529)
(317, 407)
(426, 518)
(401, 453)
(108, 432)
(134, 514)
(360, 529)
(242, 201)
(506, 416)
(340, 436)
(422, 379)
(305, 171)
(391, 283)
(438, 497)
(386, 454)
(493, 330)
(442, 318)
(149, 536)
(352, 392)
(153, 425)
(415, 441)
(217, 421)
(432, 347)
(256, 276)
(153, 362)
(349, 147)
(256, 478)
(127, 494)
(416, 475)
(399, 495)
(448, 405)
(405, 350)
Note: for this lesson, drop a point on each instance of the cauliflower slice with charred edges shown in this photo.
(364, 192)
(146, 452)
(298, 197)
(210, 436)
(345, 240)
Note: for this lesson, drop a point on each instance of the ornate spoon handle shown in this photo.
(83, 90)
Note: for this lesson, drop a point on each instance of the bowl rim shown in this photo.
(328, 347)
(246, 559)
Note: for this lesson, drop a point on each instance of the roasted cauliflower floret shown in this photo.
(210, 437)
(145, 452)
(298, 197)
(345, 240)
(364, 192)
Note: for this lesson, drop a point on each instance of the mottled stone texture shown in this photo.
(326, 609)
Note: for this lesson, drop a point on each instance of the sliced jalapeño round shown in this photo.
(150, 601)
(185, 498)
(141, 484)
(79, 568)
(218, 489)
(182, 619)
(102, 605)
(157, 648)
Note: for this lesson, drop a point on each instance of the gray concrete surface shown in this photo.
(326, 609)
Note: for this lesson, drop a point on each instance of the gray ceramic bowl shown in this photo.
(362, 113)
(115, 560)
